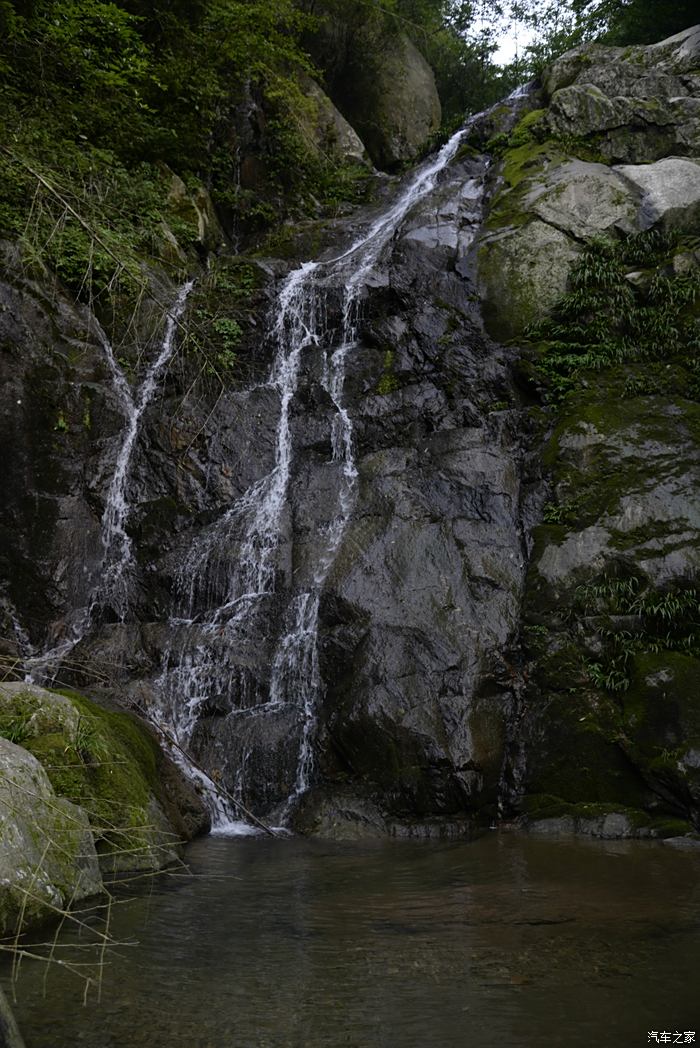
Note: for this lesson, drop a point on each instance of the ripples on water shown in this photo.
(505, 941)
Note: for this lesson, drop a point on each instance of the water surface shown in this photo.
(503, 941)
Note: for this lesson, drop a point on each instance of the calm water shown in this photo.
(504, 941)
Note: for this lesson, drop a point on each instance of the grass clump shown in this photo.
(632, 617)
(626, 308)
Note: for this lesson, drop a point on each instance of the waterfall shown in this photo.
(116, 543)
(230, 580)
(111, 586)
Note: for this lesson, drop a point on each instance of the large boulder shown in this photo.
(379, 81)
(393, 103)
(638, 103)
(328, 132)
(613, 149)
(583, 199)
(110, 765)
(47, 853)
(670, 191)
(523, 272)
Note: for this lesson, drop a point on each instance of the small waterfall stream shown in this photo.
(118, 557)
(111, 584)
(231, 579)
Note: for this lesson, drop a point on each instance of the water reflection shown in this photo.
(505, 941)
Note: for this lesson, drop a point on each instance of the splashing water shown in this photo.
(199, 665)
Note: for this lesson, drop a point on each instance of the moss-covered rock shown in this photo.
(632, 107)
(329, 133)
(523, 272)
(550, 816)
(380, 82)
(47, 852)
(613, 630)
(662, 721)
(106, 762)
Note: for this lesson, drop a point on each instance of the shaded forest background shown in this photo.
(99, 98)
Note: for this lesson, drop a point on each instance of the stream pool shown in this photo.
(508, 940)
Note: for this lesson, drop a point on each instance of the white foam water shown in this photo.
(195, 667)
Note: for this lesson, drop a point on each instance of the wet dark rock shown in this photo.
(452, 655)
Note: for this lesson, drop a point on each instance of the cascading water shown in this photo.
(118, 555)
(230, 584)
(112, 582)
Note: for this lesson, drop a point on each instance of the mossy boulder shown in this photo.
(662, 720)
(386, 90)
(614, 680)
(636, 108)
(612, 635)
(636, 458)
(47, 852)
(550, 816)
(584, 199)
(191, 216)
(670, 192)
(327, 131)
(110, 765)
(522, 272)
(575, 755)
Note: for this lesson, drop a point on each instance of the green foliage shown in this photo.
(557, 26)
(122, 76)
(218, 319)
(14, 725)
(61, 424)
(655, 620)
(79, 212)
(561, 512)
(608, 320)
(634, 21)
(98, 96)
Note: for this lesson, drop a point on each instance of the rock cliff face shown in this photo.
(612, 150)
(483, 560)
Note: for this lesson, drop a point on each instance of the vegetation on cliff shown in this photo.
(103, 101)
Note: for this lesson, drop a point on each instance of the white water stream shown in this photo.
(112, 583)
(195, 667)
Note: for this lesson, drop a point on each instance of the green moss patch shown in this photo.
(538, 807)
(612, 598)
(101, 760)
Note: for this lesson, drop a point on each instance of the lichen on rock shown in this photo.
(97, 770)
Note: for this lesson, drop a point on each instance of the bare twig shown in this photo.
(172, 741)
